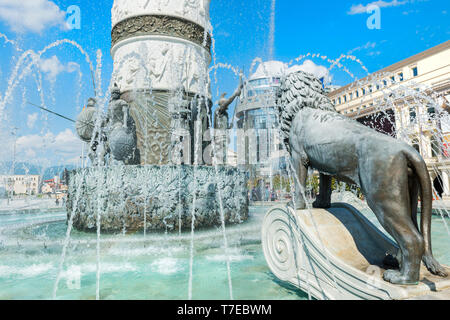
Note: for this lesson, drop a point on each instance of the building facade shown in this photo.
(256, 119)
(20, 184)
(408, 100)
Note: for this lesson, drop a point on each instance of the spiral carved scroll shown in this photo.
(279, 243)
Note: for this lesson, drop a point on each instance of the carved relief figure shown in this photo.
(162, 3)
(132, 70)
(121, 8)
(204, 11)
(159, 63)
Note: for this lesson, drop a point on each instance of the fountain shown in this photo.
(153, 132)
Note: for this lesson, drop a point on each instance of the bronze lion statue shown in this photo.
(391, 174)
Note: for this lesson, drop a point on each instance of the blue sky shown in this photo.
(241, 32)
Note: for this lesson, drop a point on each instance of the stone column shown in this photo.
(159, 46)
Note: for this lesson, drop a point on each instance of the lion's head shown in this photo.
(300, 90)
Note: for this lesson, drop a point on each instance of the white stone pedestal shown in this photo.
(158, 47)
(337, 254)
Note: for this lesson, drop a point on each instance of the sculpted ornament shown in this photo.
(188, 7)
(390, 173)
(159, 63)
(160, 25)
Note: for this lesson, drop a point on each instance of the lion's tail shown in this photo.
(426, 194)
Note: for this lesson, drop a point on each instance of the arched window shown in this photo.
(435, 146)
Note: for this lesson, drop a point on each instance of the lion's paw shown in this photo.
(396, 277)
(434, 267)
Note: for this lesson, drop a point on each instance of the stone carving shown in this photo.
(390, 173)
(159, 62)
(180, 147)
(154, 64)
(116, 134)
(155, 192)
(162, 4)
(205, 10)
(85, 126)
(160, 25)
(221, 113)
(86, 121)
(121, 130)
(221, 124)
(195, 10)
(189, 6)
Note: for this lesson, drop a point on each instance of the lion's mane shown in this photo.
(299, 90)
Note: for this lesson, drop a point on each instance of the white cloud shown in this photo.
(62, 147)
(360, 8)
(310, 67)
(279, 69)
(31, 120)
(31, 15)
(53, 67)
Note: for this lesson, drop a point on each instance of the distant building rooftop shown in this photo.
(400, 64)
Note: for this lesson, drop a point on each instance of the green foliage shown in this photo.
(313, 183)
(281, 183)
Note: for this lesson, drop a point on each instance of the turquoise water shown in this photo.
(134, 267)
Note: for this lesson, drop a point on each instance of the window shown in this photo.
(431, 110)
(334, 101)
(345, 98)
(435, 147)
(357, 93)
(393, 79)
(363, 91)
(339, 100)
(412, 114)
(259, 82)
(385, 83)
(351, 95)
(378, 86)
(400, 76)
(415, 144)
(370, 89)
(415, 71)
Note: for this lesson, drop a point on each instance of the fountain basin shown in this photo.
(155, 198)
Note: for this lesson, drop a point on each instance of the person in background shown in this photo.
(267, 193)
(254, 194)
